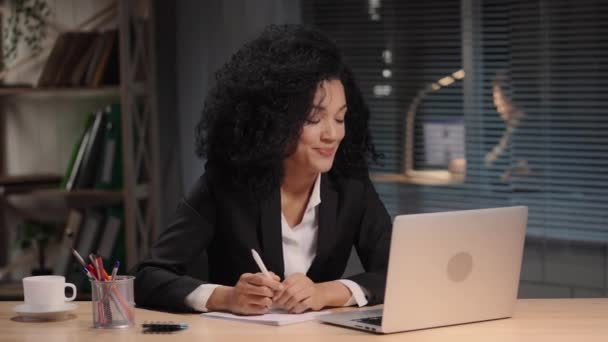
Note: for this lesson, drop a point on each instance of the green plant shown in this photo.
(26, 22)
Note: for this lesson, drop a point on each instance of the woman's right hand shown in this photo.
(252, 295)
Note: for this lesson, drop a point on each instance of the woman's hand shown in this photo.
(300, 294)
(252, 295)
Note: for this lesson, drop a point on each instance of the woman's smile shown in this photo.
(326, 152)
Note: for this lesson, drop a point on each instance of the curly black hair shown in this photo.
(253, 116)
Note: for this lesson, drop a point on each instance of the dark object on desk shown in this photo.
(163, 327)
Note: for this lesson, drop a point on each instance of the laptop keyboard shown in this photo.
(377, 320)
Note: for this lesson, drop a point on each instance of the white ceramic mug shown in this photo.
(46, 291)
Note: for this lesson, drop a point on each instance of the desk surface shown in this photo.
(534, 320)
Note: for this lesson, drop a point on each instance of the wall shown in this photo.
(168, 114)
(208, 32)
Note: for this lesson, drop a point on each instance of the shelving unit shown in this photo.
(137, 96)
(140, 113)
(77, 199)
(62, 91)
(24, 183)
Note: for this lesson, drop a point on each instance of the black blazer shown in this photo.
(228, 223)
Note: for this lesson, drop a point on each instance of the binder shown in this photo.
(110, 170)
(111, 233)
(68, 241)
(75, 163)
(90, 160)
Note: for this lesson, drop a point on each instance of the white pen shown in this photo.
(260, 263)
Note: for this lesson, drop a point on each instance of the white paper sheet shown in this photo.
(273, 317)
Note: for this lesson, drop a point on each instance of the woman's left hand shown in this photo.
(300, 294)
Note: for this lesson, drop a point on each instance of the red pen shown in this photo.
(92, 271)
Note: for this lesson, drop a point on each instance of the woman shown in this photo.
(285, 135)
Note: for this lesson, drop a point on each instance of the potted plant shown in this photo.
(23, 22)
(38, 235)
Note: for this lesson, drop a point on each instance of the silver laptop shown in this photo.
(447, 268)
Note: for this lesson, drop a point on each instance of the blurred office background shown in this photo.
(475, 103)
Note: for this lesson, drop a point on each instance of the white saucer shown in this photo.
(55, 313)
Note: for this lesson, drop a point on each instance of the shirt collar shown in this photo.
(315, 196)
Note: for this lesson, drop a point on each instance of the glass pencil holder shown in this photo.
(113, 303)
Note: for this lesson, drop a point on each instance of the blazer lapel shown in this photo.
(327, 227)
(270, 229)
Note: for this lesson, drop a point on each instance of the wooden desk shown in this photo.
(535, 320)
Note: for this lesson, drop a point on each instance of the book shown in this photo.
(111, 74)
(88, 234)
(90, 159)
(77, 78)
(109, 177)
(89, 231)
(110, 171)
(77, 46)
(273, 317)
(76, 158)
(53, 62)
(108, 241)
(103, 64)
(64, 258)
(100, 44)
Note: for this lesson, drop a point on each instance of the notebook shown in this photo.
(273, 317)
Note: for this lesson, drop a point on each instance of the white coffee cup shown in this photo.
(45, 292)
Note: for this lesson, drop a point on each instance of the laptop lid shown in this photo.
(453, 267)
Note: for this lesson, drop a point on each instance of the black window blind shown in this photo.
(529, 115)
